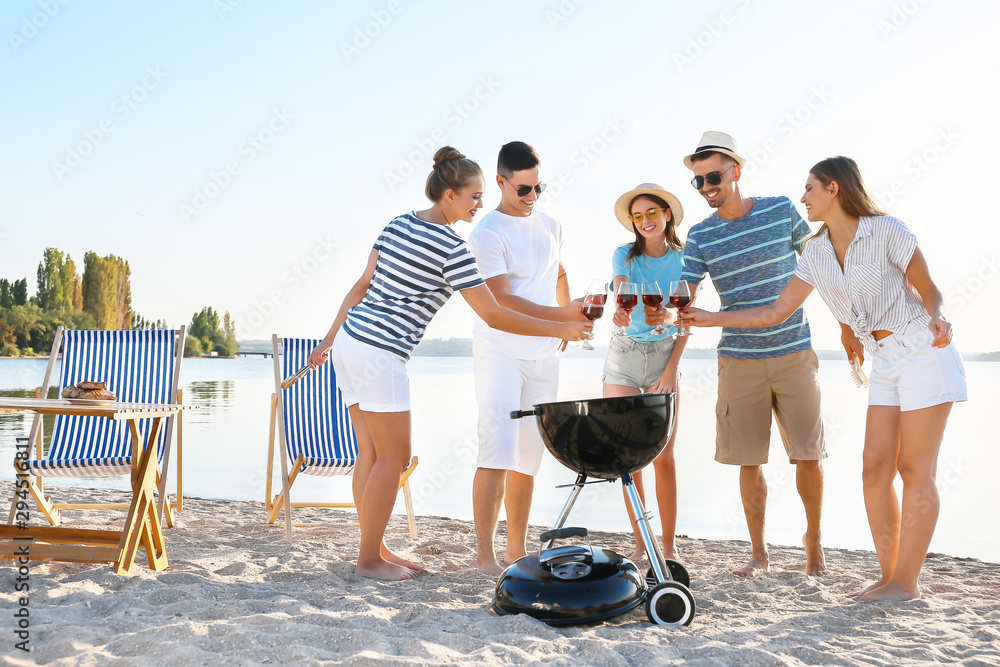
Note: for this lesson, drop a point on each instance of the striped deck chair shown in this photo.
(138, 366)
(315, 431)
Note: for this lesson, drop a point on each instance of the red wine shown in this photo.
(597, 299)
(628, 301)
(593, 311)
(652, 299)
(679, 301)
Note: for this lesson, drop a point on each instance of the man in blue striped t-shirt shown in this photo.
(748, 247)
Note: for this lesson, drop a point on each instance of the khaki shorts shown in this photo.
(750, 389)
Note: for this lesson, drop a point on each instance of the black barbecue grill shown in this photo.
(607, 439)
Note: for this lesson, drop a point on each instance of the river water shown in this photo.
(225, 453)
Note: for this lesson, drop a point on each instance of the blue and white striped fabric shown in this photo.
(138, 367)
(750, 260)
(420, 265)
(316, 421)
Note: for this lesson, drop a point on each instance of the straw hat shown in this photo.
(621, 206)
(718, 142)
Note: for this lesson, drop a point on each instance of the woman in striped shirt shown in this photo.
(870, 272)
(417, 263)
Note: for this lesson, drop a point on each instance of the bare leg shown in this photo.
(753, 489)
(666, 497)
(921, 432)
(488, 488)
(809, 482)
(390, 435)
(362, 469)
(881, 504)
(640, 549)
(615, 391)
(517, 502)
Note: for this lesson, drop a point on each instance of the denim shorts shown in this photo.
(636, 363)
(909, 373)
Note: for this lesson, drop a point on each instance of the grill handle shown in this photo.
(562, 534)
(518, 414)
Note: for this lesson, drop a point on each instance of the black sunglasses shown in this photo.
(523, 190)
(713, 178)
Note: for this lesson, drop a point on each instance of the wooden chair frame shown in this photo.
(282, 501)
(36, 485)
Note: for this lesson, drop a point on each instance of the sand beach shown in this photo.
(236, 593)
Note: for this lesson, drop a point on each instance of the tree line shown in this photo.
(100, 298)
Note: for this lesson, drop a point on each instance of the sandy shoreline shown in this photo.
(237, 593)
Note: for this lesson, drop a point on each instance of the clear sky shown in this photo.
(244, 155)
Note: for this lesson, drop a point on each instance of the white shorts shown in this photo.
(909, 373)
(368, 376)
(502, 386)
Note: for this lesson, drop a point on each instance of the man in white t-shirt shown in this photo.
(518, 252)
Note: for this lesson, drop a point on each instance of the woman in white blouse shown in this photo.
(870, 272)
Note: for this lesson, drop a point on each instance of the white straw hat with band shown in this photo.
(718, 142)
(622, 205)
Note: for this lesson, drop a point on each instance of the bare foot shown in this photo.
(385, 571)
(638, 554)
(756, 565)
(815, 560)
(489, 565)
(512, 556)
(856, 594)
(892, 591)
(399, 560)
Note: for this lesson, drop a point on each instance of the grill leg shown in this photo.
(648, 537)
(568, 507)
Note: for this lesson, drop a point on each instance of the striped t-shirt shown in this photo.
(420, 265)
(871, 291)
(750, 260)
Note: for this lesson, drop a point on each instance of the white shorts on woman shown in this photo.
(373, 378)
(909, 373)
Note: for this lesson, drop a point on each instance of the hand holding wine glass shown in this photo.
(627, 297)
(593, 304)
(652, 297)
(680, 297)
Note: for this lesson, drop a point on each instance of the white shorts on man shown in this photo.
(515, 372)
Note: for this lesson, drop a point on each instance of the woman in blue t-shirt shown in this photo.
(642, 359)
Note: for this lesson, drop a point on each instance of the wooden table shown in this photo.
(142, 525)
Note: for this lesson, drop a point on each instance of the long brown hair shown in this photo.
(452, 171)
(853, 195)
(639, 247)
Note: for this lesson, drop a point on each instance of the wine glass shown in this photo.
(627, 297)
(680, 297)
(593, 305)
(652, 295)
